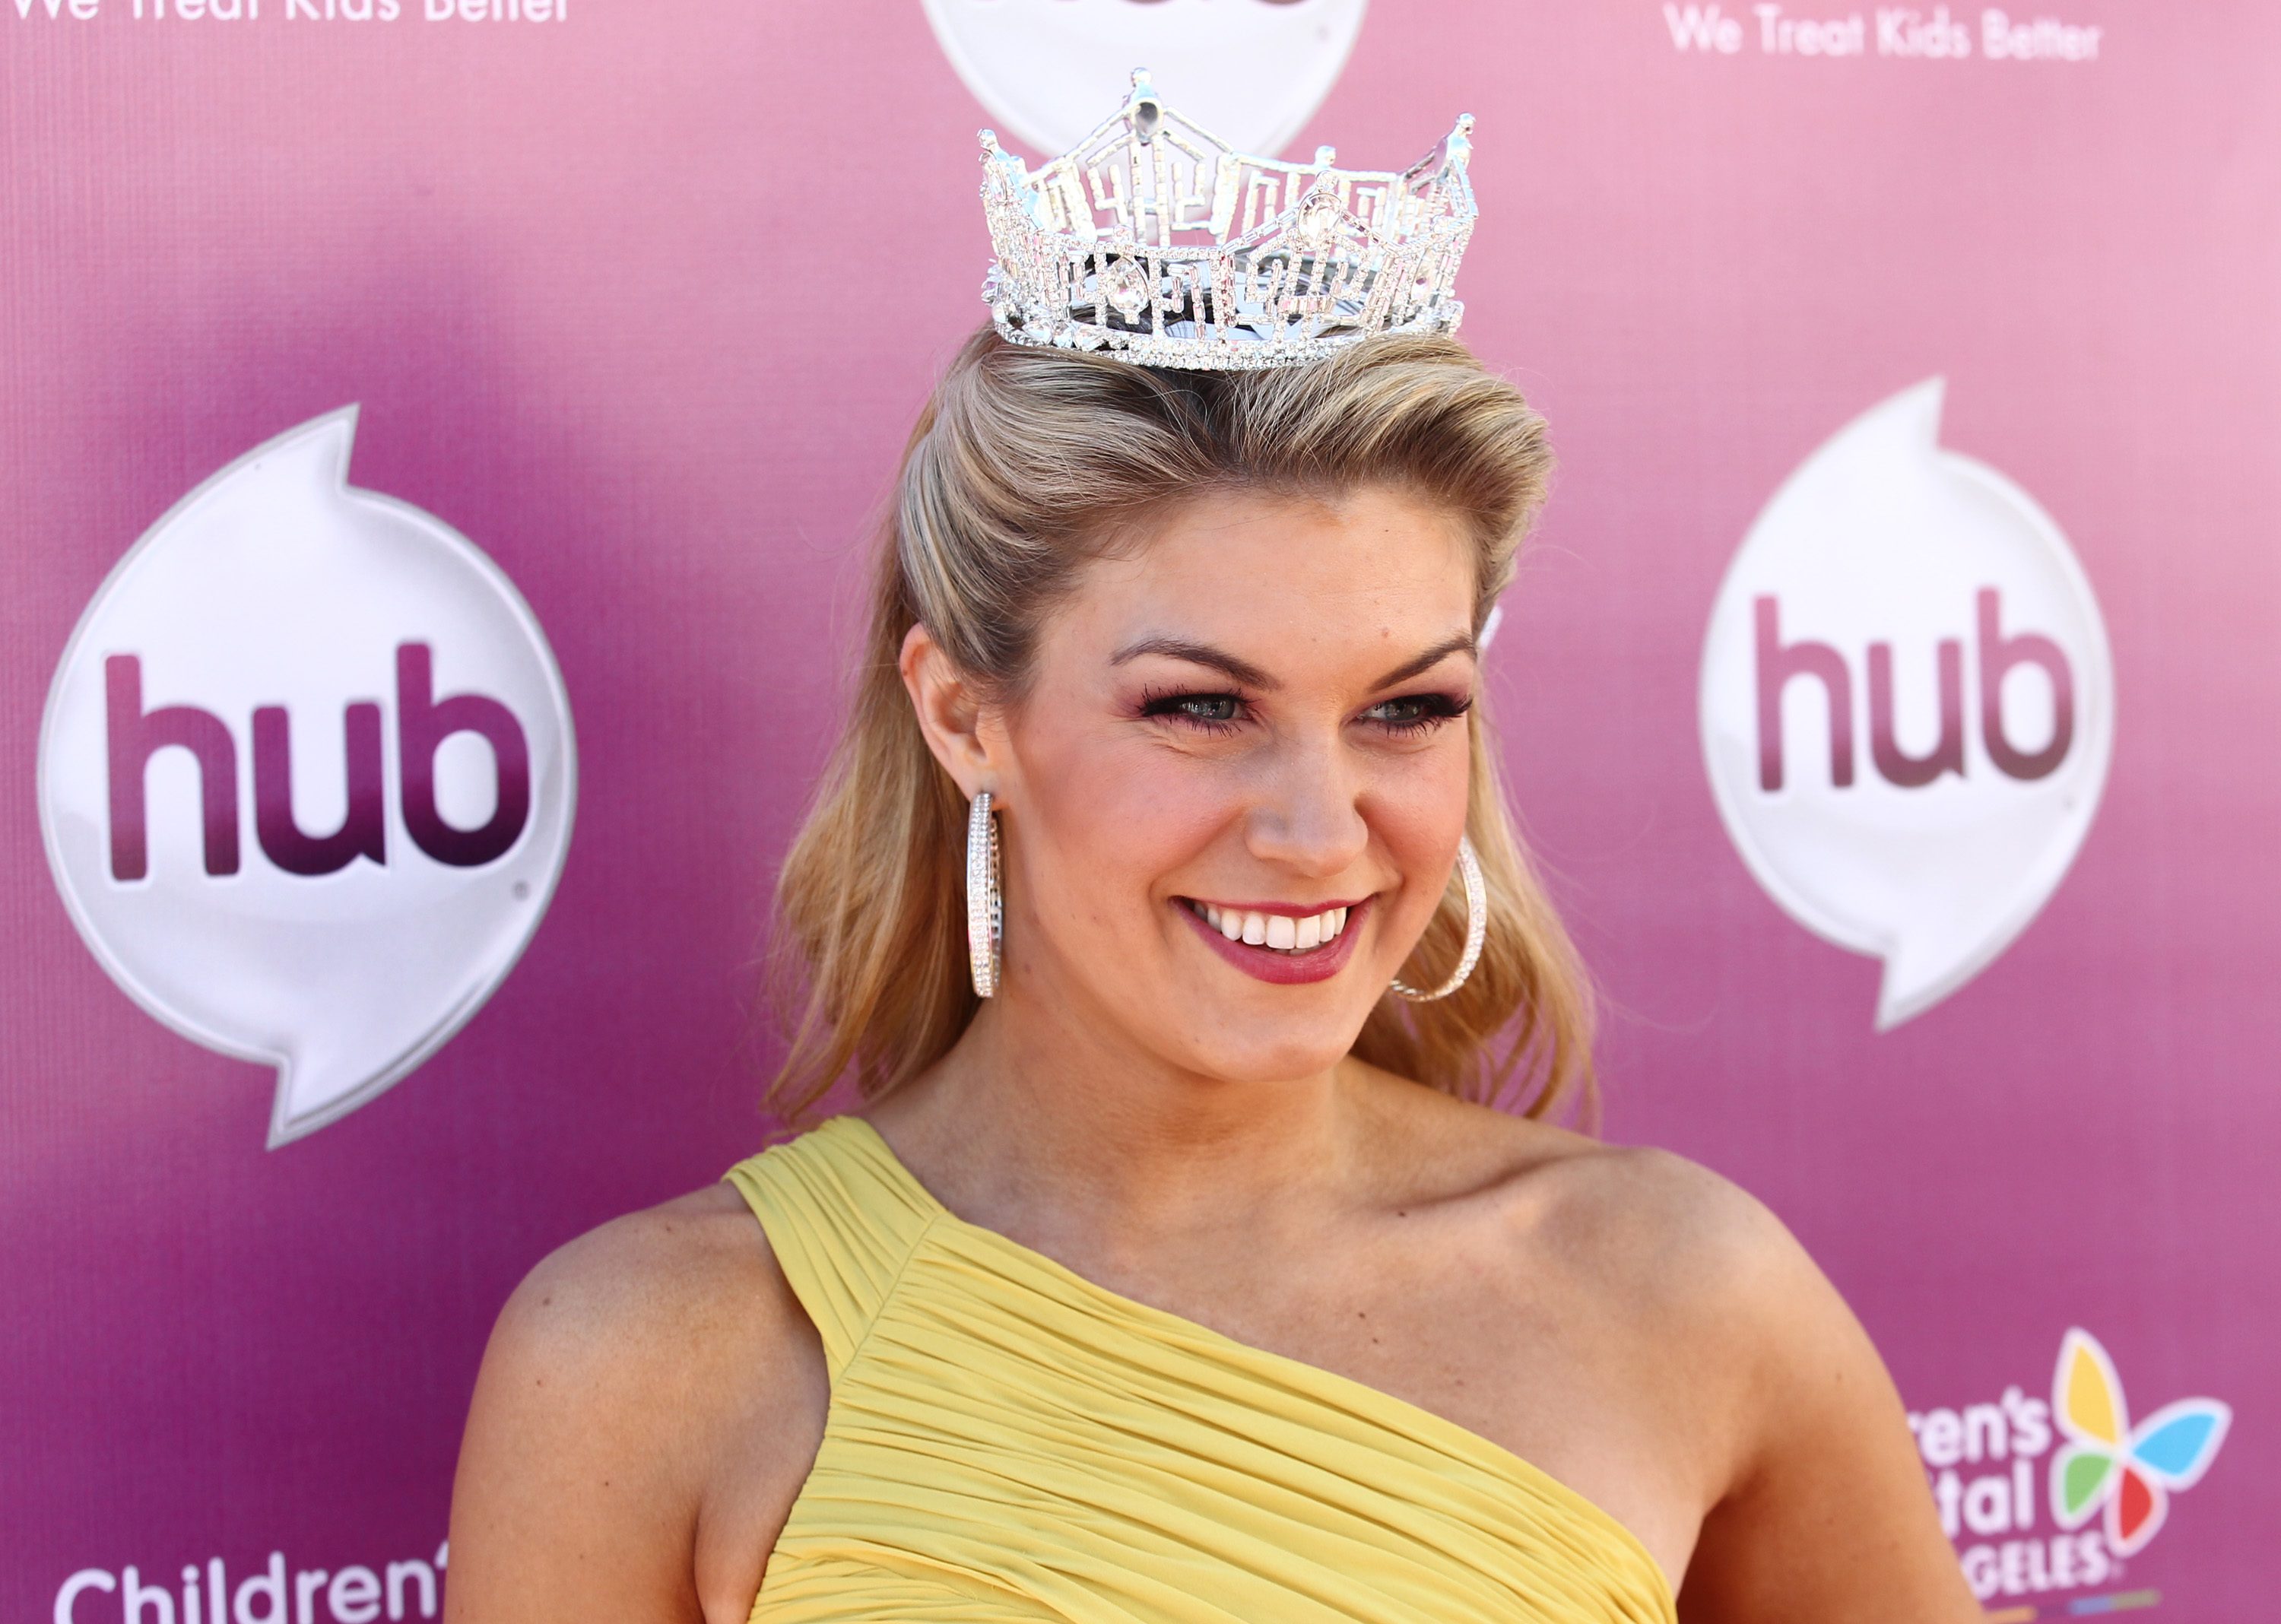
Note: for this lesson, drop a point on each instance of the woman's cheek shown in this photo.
(1121, 823)
(1151, 821)
(1417, 810)
(1419, 802)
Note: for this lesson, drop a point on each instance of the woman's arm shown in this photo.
(1826, 1518)
(648, 1403)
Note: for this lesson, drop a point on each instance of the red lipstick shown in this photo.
(1281, 967)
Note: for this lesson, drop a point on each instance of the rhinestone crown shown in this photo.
(1157, 242)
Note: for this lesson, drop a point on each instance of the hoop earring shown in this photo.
(1477, 928)
(986, 910)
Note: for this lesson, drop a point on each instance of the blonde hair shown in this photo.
(1028, 463)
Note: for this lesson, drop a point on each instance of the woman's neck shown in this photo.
(1038, 1124)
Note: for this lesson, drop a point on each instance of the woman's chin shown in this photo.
(1264, 1058)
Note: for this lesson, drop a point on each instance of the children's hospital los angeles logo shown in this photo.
(306, 775)
(1251, 72)
(2049, 1497)
(1907, 702)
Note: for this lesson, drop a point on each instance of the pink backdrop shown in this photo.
(643, 303)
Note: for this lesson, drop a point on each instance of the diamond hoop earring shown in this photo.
(986, 910)
(1477, 928)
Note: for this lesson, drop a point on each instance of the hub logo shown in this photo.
(306, 776)
(1986, 1463)
(1907, 702)
(1250, 71)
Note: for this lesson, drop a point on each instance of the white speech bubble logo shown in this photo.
(1907, 702)
(306, 776)
(1251, 72)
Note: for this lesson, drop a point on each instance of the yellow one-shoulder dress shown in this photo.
(1007, 1440)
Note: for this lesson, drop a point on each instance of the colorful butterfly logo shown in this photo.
(2130, 1472)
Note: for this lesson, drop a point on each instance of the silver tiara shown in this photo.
(1156, 241)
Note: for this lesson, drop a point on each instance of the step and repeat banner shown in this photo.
(438, 444)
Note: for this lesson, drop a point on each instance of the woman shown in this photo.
(1179, 1265)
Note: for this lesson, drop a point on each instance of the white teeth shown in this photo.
(1282, 932)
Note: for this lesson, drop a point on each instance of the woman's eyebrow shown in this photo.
(1201, 653)
(1460, 644)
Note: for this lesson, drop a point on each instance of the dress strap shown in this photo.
(841, 1222)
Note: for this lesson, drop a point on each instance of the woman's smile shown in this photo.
(1286, 943)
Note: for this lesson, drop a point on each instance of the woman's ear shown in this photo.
(950, 713)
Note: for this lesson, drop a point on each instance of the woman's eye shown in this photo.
(1210, 707)
(1216, 712)
(1416, 713)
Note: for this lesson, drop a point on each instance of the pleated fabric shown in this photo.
(1008, 1441)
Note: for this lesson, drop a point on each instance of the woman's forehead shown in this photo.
(1367, 561)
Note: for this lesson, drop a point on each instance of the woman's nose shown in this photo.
(1306, 818)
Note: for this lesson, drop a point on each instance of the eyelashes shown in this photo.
(1213, 713)
(1419, 713)
(1408, 716)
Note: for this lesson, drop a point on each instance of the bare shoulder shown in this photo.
(1648, 1218)
(646, 1383)
(1684, 1266)
(1690, 1322)
(1807, 1418)
(1733, 1316)
(1657, 1217)
(645, 1293)
(1677, 1285)
(1688, 1239)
